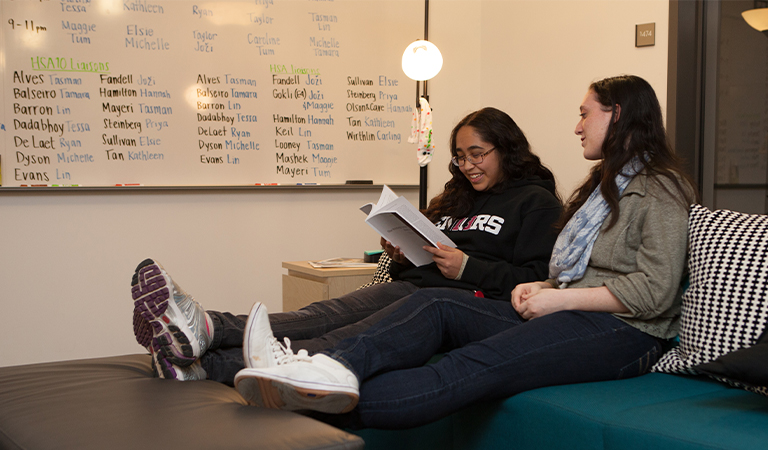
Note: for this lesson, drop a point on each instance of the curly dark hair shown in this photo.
(517, 162)
(637, 133)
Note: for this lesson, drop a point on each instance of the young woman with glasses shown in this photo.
(499, 207)
(608, 309)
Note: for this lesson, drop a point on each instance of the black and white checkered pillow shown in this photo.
(726, 306)
(381, 275)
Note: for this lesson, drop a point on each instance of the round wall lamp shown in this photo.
(422, 60)
(757, 18)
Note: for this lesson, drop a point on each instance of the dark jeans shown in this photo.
(492, 354)
(316, 327)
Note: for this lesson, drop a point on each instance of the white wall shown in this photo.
(535, 60)
(455, 27)
(546, 53)
(67, 258)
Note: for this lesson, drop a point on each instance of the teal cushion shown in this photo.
(652, 411)
(730, 419)
(436, 435)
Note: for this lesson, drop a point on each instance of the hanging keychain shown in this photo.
(421, 132)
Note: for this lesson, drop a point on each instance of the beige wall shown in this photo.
(535, 59)
(67, 258)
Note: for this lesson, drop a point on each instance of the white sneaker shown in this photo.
(260, 348)
(316, 383)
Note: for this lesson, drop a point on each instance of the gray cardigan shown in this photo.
(642, 258)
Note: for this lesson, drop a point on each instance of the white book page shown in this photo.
(400, 234)
(399, 222)
(387, 196)
(425, 227)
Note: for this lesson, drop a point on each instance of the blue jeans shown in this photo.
(492, 353)
(316, 327)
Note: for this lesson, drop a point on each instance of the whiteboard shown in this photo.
(216, 93)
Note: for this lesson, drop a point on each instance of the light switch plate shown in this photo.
(645, 35)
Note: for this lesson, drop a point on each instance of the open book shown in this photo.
(399, 222)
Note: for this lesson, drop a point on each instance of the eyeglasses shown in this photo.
(459, 161)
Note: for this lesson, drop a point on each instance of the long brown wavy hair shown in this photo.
(517, 162)
(637, 133)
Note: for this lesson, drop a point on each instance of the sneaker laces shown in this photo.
(284, 354)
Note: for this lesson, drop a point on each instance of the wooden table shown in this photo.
(305, 284)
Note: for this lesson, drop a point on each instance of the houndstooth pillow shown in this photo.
(725, 309)
(381, 275)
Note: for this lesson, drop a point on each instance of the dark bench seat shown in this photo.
(115, 403)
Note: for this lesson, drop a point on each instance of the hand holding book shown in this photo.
(448, 259)
(393, 252)
(400, 223)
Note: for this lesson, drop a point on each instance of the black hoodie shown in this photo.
(508, 236)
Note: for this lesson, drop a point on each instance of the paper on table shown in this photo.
(340, 262)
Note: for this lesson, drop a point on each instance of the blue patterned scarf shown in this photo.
(574, 244)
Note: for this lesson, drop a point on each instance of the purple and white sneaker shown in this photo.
(180, 328)
(143, 331)
(163, 368)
